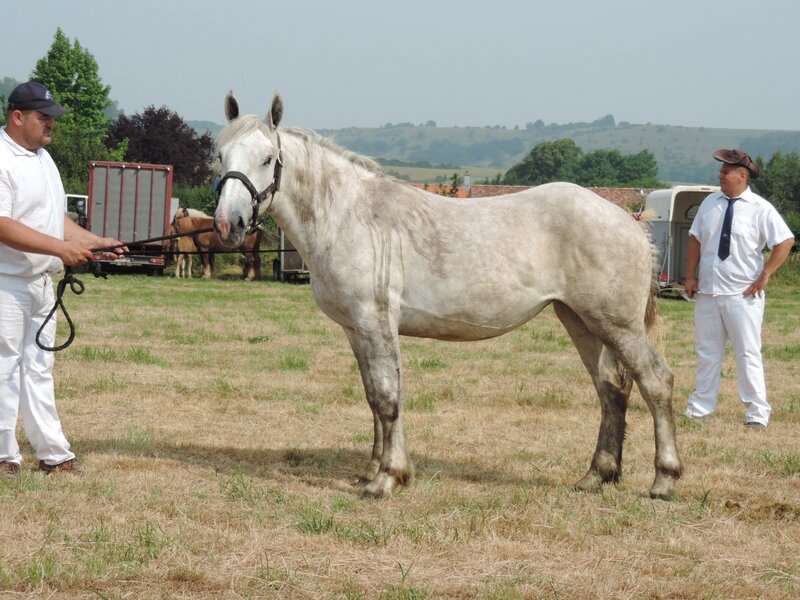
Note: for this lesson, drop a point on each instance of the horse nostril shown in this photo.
(241, 222)
(221, 227)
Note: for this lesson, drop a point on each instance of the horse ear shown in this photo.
(275, 112)
(231, 106)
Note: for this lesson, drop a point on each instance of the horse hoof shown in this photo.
(591, 482)
(662, 488)
(371, 492)
(381, 487)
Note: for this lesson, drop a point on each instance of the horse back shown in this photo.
(479, 268)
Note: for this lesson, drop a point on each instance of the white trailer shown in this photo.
(670, 213)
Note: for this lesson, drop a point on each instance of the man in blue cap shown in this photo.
(726, 274)
(36, 240)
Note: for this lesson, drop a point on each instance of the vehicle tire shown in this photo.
(276, 269)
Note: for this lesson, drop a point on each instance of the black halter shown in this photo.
(257, 198)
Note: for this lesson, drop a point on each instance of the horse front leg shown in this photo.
(374, 464)
(378, 357)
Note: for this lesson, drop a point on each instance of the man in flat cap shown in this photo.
(36, 240)
(726, 274)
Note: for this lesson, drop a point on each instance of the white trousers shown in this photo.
(738, 319)
(26, 371)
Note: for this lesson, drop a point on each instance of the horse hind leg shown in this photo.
(655, 382)
(613, 389)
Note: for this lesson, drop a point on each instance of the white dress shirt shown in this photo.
(756, 225)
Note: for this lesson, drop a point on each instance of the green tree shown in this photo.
(455, 182)
(640, 169)
(7, 86)
(610, 168)
(70, 72)
(161, 136)
(548, 161)
(779, 182)
(599, 168)
(563, 160)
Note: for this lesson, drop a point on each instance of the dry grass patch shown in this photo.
(222, 424)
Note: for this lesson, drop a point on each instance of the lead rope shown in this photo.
(77, 287)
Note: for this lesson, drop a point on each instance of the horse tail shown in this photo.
(652, 320)
(651, 311)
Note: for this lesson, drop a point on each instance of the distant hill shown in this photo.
(202, 127)
(683, 153)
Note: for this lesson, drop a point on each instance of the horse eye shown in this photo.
(268, 161)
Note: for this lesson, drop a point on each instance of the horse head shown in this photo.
(250, 155)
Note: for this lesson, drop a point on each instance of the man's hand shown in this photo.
(756, 289)
(690, 286)
(117, 248)
(777, 257)
(74, 253)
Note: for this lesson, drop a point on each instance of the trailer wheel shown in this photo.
(276, 270)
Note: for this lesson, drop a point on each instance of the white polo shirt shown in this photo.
(756, 225)
(31, 192)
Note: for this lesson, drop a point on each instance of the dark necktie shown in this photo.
(725, 237)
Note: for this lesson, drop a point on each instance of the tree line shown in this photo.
(563, 160)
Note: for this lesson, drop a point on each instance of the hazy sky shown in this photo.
(711, 63)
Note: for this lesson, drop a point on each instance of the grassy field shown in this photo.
(223, 422)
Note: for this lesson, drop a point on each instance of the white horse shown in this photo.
(387, 259)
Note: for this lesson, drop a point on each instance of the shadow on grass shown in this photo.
(324, 467)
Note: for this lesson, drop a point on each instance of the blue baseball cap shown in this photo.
(34, 96)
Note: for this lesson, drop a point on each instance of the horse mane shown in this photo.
(243, 125)
(309, 137)
(249, 123)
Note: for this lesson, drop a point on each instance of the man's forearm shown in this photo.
(778, 256)
(23, 238)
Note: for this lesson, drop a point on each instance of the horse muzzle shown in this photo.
(232, 236)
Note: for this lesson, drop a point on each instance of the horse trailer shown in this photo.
(670, 213)
(289, 265)
(132, 203)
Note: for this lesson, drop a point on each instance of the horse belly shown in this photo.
(461, 323)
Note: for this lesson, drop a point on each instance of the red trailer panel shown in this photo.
(132, 202)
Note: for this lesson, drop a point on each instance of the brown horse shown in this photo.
(208, 243)
(183, 248)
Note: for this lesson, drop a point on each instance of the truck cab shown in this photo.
(76, 208)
